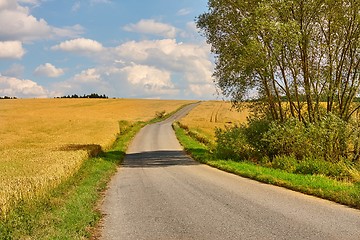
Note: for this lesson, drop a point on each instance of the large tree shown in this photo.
(306, 52)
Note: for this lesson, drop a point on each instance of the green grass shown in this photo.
(346, 193)
(69, 211)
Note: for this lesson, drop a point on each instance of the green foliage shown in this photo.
(192, 146)
(319, 185)
(312, 166)
(286, 163)
(196, 134)
(232, 143)
(242, 142)
(329, 139)
(288, 138)
(315, 166)
(305, 51)
(254, 132)
(328, 147)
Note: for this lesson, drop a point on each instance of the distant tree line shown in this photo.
(6, 97)
(92, 95)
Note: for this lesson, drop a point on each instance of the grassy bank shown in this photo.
(69, 211)
(346, 193)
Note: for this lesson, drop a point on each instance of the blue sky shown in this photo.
(121, 48)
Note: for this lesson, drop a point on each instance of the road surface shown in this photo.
(160, 193)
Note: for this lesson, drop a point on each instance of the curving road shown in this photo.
(160, 193)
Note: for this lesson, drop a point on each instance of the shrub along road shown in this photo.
(160, 193)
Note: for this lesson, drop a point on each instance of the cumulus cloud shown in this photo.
(149, 79)
(48, 70)
(190, 63)
(11, 86)
(11, 49)
(17, 24)
(190, 59)
(87, 81)
(150, 26)
(79, 45)
(88, 75)
(201, 90)
(149, 68)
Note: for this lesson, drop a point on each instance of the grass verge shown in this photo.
(338, 191)
(69, 211)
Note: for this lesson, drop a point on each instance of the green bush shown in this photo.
(327, 147)
(254, 133)
(288, 138)
(231, 143)
(330, 138)
(286, 163)
(320, 167)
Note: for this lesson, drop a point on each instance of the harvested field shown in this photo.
(209, 115)
(43, 141)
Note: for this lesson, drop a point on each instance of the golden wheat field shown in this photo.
(43, 141)
(209, 115)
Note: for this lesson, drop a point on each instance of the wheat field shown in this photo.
(209, 115)
(44, 141)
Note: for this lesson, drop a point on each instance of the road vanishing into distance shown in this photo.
(160, 193)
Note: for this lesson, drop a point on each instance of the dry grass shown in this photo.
(213, 114)
(43, 141)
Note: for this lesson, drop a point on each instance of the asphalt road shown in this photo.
(160, 193)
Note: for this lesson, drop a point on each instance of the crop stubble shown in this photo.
(209, 115)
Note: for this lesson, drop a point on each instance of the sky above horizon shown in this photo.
(123, 49)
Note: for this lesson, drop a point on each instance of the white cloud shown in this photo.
(201, 90)
(48, 70)
(192, 60)
(80, 45)
(88, 75)
(32, 2)
(184, 11)
(88, 81)
(15, 87)
(150, 26)
(4, 4)
(17, 23)
(149, 79)
(68, 31)
(11, 49)
(149, 68)
(158, 68)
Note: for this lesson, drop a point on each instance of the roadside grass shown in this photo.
(68, 211)
(342, 192)
(45, 141)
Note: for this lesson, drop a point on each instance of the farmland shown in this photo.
(209, 115)
(44, 141)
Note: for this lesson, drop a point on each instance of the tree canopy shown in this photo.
(306, 51)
